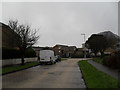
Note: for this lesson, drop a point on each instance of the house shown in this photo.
(9, 42)
(61, 50)
(64, 50)
(71, 51)
(10, 39)
(79, 53)
(109, 51)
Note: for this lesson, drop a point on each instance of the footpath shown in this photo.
(107, 70)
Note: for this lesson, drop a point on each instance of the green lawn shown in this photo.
(63, 59)
(18, 67)
(98, 60)
(95, 78)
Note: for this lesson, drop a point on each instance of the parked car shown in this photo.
(47, 56)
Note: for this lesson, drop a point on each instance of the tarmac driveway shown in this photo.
(65, 74)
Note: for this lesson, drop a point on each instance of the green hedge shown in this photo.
(8, 53)
(30, 53)
(113, 60)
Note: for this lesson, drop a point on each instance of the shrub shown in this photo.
(30, 53)
(78, 55)
(113, 60)
(105, 60)
(10, 53)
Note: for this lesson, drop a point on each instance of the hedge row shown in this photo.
(8, 53)
(113, 60)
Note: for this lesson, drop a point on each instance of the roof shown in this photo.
(109, 50)
(61, 45)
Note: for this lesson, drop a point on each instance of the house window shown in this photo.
(59, 48)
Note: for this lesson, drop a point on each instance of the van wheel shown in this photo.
(54, 62)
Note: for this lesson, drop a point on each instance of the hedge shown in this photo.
(113, 60)
(9, 53)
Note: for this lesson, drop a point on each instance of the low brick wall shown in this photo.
(15, 61)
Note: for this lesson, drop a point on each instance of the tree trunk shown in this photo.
(22, 60)
(102, 53)
(95, 54)
(22, 56)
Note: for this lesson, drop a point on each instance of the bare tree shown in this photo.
(27, 36)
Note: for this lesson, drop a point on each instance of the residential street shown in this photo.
(65, 74)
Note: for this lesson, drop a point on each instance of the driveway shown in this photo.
(65, 74)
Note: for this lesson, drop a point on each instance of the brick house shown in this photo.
(9, 38)
(9, 42)
(64, 50)
(72, 51)
(61, 50)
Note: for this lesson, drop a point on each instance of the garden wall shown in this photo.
(7, 62)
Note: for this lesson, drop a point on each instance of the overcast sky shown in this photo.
(63, 22)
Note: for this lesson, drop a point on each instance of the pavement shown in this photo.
(64, 74)
(105, 69)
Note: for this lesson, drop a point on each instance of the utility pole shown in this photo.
(84, 45)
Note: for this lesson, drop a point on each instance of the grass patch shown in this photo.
(63, 59)
(95, 78)
(98, 60)
(17, 67)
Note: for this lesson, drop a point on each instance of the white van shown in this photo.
(47, 56)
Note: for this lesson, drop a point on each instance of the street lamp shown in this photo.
(84, 45)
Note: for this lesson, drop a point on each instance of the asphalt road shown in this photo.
(65, 74)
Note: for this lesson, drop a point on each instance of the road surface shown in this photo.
(65, 74)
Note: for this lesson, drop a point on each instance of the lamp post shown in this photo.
(84, 45)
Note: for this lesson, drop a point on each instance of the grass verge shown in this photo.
(98, 60)
(63, 59)
(95, 78)
(14, 68)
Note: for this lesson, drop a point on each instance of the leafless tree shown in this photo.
(27, 36)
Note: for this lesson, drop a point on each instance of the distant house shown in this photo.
(61, 50)
(9, 38)
(79, 53)
(109, 51)
(64, 50)
(72, 50)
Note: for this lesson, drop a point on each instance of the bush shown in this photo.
(113, 60)
(10, 53)
(80, 55)
(30, 53)
(105, 60)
